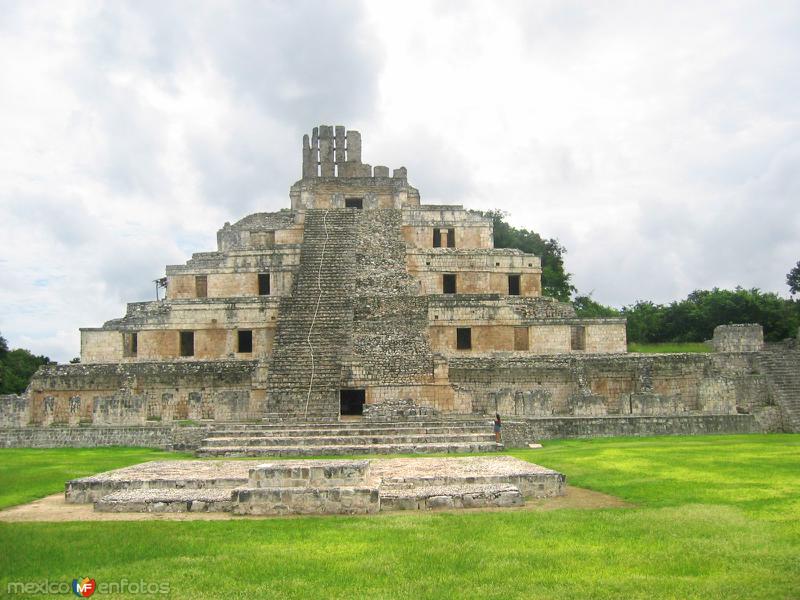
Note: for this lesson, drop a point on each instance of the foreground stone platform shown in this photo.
(317, 486)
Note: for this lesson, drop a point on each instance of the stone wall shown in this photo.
(747, 337)
(139, 393)
(518, 433)
(617, 384)
(167, 438)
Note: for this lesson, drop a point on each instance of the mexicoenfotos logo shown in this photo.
(83, 588)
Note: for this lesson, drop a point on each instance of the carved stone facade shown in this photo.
(356, 296)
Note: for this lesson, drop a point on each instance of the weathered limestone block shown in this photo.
(353, 148)
(748, 337)
(586, 405)
(717, 396)
(649, 403)
(306, 500)
(398, 410)
(318, 474)
(326, 151)
(14, 410)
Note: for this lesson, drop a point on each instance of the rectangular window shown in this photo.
(245, 341)
(451, 238)
(201, 286)
(130, 344)
(578, 338)
(513, 285)
(463, 338)
(520, 338)
(354, 203)
(187, 343)
(437, 238)
(449, 283)
(263, 284)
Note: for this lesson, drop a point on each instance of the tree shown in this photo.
(694, 319)
(588, 308)
(793, 279)
(555, 280)
(17, 367)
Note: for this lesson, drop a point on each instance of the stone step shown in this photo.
(344, 431)
(166, 500)
(353, 440)
(306, 501)
(462, 495)
(303, 473)
(348, 449)
(282, 423)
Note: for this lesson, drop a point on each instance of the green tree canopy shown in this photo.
(17, 367)
(555, 280)
(694, 319)
(793, 279)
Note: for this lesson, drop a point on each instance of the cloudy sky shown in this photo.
(658, 141)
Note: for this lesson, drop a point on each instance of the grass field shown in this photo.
(715, 517)
(670, 347)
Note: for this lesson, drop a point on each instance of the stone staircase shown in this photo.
(782, 368)
(327, 261)
(349, 438)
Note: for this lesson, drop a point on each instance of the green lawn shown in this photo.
(26, 475)
(715, 517)
(670, 347)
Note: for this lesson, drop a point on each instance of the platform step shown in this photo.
(347, 449)
(349, 440)
(166, 500)
(475, 495)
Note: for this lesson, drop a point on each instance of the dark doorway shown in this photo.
(351, 402)
(463, 338)
(437, 238)
(245, 340)
(263, 284)
(513, 285)
(187, 343)
(354, 203)
(449, 283)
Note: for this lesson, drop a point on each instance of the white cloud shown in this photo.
(657, 141)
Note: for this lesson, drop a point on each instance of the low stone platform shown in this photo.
(532, 480)
(306, 500)
(317, 486)
(474, 495)
(155, 475)
(166, 500)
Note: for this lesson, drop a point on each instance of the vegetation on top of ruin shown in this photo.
(17, 367)
(691, 320)
(556, 282)
(716, 517)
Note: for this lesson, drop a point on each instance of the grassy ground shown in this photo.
(671, 347)
(26, 474)
(716, 517)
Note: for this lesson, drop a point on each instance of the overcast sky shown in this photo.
(659, 142)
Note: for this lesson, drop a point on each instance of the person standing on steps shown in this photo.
(497, 426)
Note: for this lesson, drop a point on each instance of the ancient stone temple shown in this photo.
(356, 295)
(360, 300)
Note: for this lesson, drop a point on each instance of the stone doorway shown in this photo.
(351, 403)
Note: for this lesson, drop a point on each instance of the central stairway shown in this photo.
(349, 438)
(315, 324)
